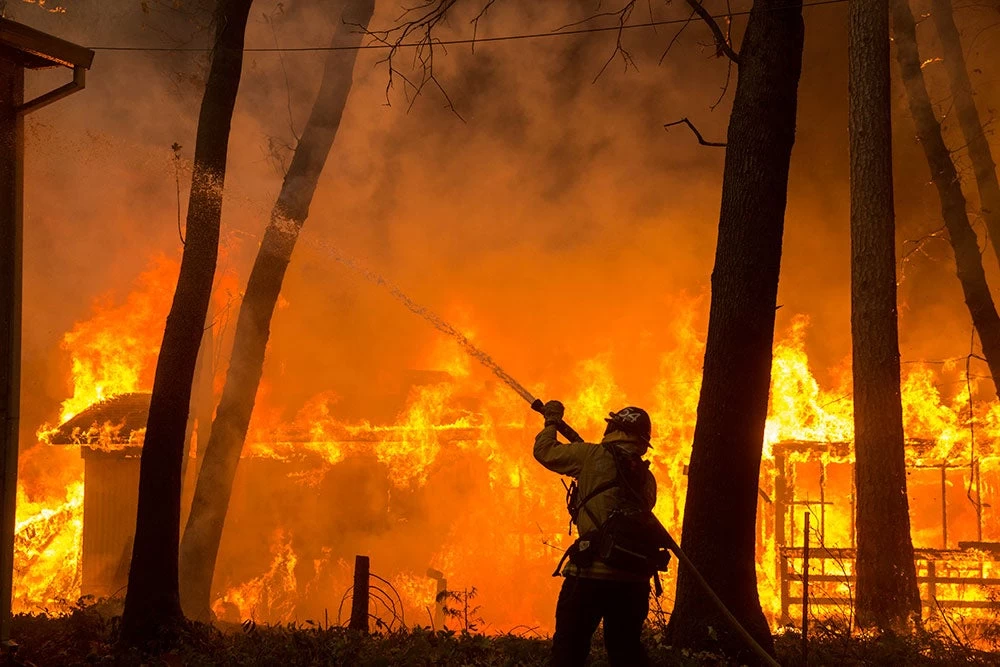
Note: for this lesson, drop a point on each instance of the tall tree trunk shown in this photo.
(204, 403)
(968, 118)
(720, 512)
(887, 595)
(968, 260)
(192, 419)
(203, 533)
(152, 603)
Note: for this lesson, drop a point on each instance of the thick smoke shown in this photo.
(549, 216)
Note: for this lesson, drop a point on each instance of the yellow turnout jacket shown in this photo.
(591, 465)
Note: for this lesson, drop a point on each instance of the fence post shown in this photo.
(439, 597)
(805, 591)
(359, 597)
(932, 583)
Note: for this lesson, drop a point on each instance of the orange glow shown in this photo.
(269, 597)
(114, 352)
(458, 489)
(47, 551)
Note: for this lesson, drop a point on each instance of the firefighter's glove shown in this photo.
(553, 412)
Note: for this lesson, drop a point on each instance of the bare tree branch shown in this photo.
(729, 63)
(475, 21)
(729, 22)
(725, 86)
(269, 19)
(415, 26)
(623, 16)
(701, 139)
(626, 9)
(418, 22)
(917, 245)
(676, 37)
(721, 41)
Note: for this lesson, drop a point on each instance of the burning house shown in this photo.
(954, 528)
(446, 468)
(306, 538)
(516, 227)
(332, 490)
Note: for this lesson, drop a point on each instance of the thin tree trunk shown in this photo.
(197, 385)
(968, 118)
(720, 512)
(199, 421)
(968, 261)
(204, 405)
(202, 402)
(203, 533)
(152, 603)
(887, 594)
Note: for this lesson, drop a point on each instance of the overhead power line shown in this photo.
(458, 42)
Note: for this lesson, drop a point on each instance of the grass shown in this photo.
(85, 637)
(88, 636)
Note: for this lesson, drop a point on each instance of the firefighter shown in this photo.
(610, 481)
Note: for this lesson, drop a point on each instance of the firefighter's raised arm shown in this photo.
(565, 459)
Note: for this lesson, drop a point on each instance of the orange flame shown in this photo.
(269, 597)
(114, 352)
(462, 418)
(47, 567)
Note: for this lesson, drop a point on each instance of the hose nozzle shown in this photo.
(564, 429)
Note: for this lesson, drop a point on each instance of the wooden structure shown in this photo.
(109, 435)
(945, 575)
(21, 48)
(942, 576)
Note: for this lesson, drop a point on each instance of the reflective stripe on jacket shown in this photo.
(591, 465)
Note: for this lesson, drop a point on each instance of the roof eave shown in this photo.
(46, 50)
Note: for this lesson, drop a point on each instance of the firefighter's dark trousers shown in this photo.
(583, 603)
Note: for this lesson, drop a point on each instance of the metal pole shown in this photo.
(944, 505)
(11, 181)
(780, 516)
(932, 581)
(979, 501)
(805, 590)
(822, 505)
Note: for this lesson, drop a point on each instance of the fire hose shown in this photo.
(570, 434)
(562, 427)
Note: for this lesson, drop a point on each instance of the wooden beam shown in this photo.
(11, 180)
(52, 50)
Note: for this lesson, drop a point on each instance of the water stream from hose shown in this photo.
(427, 314)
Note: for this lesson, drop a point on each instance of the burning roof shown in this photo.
(115, 421)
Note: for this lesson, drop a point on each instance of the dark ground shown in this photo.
(86, 637)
